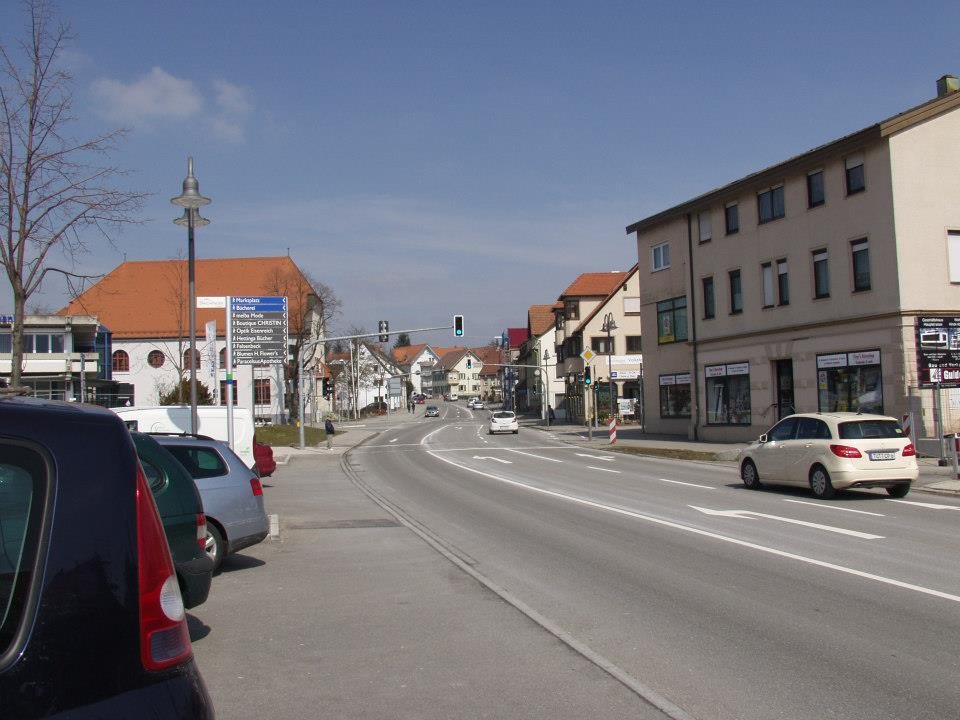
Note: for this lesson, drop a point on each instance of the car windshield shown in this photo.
(504, 415)
(869, 429)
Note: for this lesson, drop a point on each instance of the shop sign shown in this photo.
(738, 369)
(668, 379)
(715, 370)
(625, 374)
(683, 379)
(741, 368)
(832, 361)
(938, 351)
(626, 359)
(864, 357)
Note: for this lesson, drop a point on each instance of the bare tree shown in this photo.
(52, 190)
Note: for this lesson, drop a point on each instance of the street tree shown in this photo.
(403, 340)
(55, 190)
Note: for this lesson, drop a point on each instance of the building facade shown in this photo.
(800, 287)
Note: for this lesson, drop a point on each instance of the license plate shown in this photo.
(883, 456)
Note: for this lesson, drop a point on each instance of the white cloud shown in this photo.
(158, 94)
(231, 99)
(227, 130)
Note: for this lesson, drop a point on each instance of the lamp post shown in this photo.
(191, 201)
(608, 326)
(545, 383)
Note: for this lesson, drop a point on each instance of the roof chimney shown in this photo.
(947, 84)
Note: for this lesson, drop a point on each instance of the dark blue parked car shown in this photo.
(92, 623)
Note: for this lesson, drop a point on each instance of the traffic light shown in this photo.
(586, 376)
(383, 327)
(469, 363)
(325, 387)
(458, 325)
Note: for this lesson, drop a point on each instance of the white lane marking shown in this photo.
(490, 457)
(708, 534)
(595, 457)
(539, 457)
(932, 506)
(679, 482)
(394, 440)
(750, 515)
(603, 469)
(458, 427)
(833, 507)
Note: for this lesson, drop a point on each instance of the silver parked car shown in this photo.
(232, 493)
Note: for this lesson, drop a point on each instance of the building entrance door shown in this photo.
(785, 404)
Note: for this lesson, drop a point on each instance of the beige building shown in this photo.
(800, 287)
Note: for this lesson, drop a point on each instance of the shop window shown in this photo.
(675, 396)
(728, 394)
(155, 359)
(121, 361)
(850, 382)
(672, 320)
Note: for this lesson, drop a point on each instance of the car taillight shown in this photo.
(256, 486)
(202, 530)
(909, 450)
(845, 451)
(164, 640)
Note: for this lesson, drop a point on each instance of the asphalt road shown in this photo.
(725, 602)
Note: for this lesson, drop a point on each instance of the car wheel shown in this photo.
(214, 545)
(515, 432)
(489, 432)
(899, 491)
(820, 483)
(748, 473)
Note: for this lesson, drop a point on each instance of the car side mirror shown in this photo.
(762, 439)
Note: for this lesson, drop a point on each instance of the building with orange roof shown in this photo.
(417, 361)
(539, 351)
(144, 305)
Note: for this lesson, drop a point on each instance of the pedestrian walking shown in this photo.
(330, 431)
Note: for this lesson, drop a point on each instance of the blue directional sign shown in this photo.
(259, 329)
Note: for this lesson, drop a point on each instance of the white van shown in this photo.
(211, 421)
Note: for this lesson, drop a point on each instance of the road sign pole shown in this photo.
(229, 383)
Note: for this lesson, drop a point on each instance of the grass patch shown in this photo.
(289, 435)
(673, 453)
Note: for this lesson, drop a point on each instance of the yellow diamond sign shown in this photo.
(588, 355)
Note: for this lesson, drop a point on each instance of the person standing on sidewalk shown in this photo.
(330, 431)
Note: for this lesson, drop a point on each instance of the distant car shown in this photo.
(503, 421)
(828, 452)
(432, 411)
(478, 404)
(263, 455)
(232, 494)
(420, 399)
(453, 397)
(93, 624)
(378, 407)
(181, 511)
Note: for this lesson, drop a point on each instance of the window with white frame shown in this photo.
(660, 257)
(856, 182)
(703, 222)
(766, 274)
(860, 253)
(953, 254)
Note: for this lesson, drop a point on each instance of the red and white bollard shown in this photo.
(613, 431)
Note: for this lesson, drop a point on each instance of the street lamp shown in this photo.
(191, 201)
(608, 326)
(545, 382)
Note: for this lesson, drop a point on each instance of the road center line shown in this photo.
(932, 506)
(833, 507)
(603, 469)
(680, 482)
(706, 533)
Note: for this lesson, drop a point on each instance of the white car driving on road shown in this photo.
(503, 421)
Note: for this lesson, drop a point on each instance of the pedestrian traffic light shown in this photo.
(383, 327)
(586, 376)
(458, 325)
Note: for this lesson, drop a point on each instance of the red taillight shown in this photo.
(909, 450)
(256, 486)
(202, 530)
(845, 451)
(164, 640)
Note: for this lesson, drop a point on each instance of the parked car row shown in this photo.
(95, 577)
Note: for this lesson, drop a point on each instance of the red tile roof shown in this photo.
(517, 336)
(149, 298)
(595, 284)
(487, 353)
(407, 354)
(540, 319)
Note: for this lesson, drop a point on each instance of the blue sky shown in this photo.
(431, 158)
